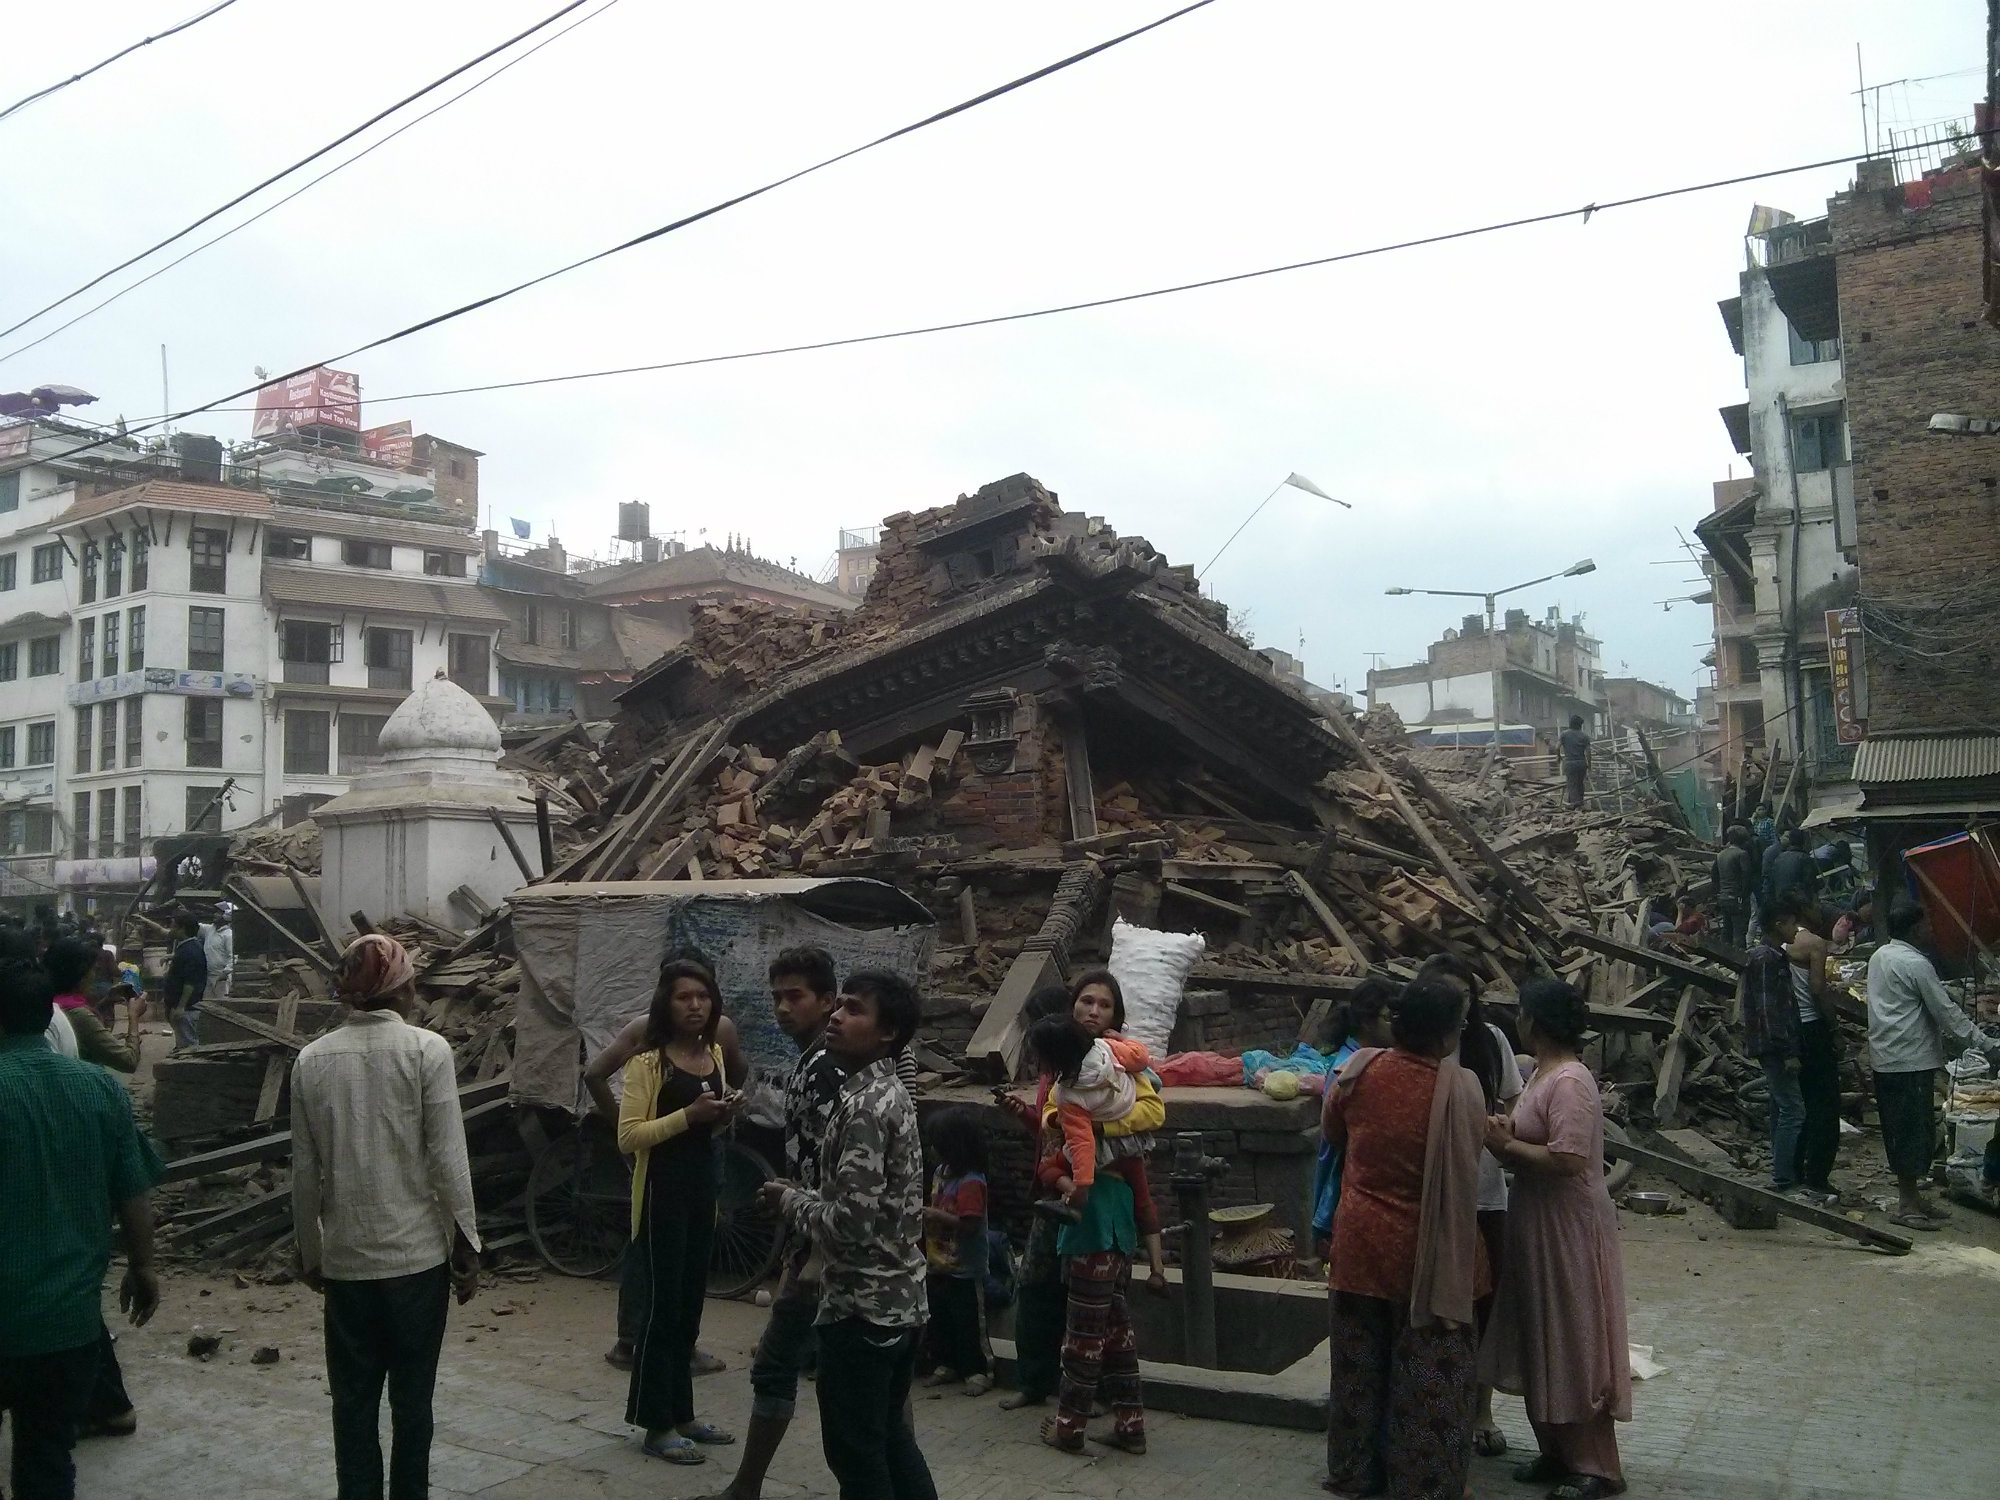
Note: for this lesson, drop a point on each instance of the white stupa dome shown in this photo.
(442, 721)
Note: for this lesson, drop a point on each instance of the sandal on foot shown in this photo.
(674, 1448)
(1489, 1442)
(1587, 1487)
(1053, 1435)
(1124, 1442)
(703, 1432)
(978, 1385)
(1546, 1469)
(1923, 1222)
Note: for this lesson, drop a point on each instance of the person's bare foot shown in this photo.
(1021, 1399)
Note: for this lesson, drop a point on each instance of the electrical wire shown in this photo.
(304, 161)
(770, 351)
(650, 235)
(312, 183)
(57, 88)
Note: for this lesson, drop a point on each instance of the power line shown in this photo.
(652, 234)
(1587, 211)
(306, 187)
(304, 161)
(56, 88)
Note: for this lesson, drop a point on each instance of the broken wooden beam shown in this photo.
(241, 891)
(1650, 959)
(995, 1047)
(1336, 929)
(1673, 1066)
(513, 845)
(1202, 898)
(326, 932)
(1704, 1183)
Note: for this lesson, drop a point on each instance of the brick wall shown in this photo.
(1927, 506)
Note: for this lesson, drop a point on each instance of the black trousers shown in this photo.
(956, 1337)
(390, 1330)
(676, 1235)
(1819, 1086)
(635, 1291)
(47, 1394)
(864, 1412)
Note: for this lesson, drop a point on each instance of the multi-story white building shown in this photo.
(180, 653)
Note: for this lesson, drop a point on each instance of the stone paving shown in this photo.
(1796, 1366)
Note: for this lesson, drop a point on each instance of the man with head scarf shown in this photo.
(382, 1204)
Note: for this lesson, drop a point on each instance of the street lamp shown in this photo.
(1574, 570)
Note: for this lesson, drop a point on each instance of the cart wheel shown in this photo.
(579, 1206)
(746, 1232)
(1617, 1173)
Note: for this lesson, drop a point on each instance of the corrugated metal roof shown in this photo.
(385, 593)
(170, 494)
(1927, 757)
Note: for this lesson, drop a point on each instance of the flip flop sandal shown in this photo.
(675, 1450)
(1489, 1442)
(714, 1437)
(1546, 1469)
(1922, 1222)
(1053, 1436)
(1587, 1487)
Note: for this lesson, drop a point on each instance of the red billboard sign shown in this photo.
(318, 398)
(393, 446)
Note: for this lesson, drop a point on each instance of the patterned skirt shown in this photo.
(1400, 1402)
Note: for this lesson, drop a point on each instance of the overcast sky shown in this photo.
(1494, 408)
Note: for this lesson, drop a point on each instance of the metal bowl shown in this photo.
(1649, 1203)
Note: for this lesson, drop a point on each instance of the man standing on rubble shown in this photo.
(1735, 878)
(1911, 1019)
(1574, 748)
(383, 1210)
(187, 980)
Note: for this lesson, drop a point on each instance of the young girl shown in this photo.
(955, 1249)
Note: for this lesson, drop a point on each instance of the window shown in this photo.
(107, 823)
(7, 748)
(45, 656)
(282, 546)
(1819, 440)
(47, 562)
(445, 564)
(208, 560)
(107, 737)
(8, 571)
(42, 743)
(10, 661)
(567, 620)
(204, 731)
(204, 809)
(135, 638)
(1807, 351)
(10, 491)
(309, 645)
(204, 639)
(531, 625)
(471, 664)
(366, 554)
(114, 566)
(31, 830)
(83, 739)
(457, 468)
(110, 658)
(79, 831)
(135, 725)
(142, 546)
(306, 735)
(360, 742)
(130, 826)
(87, 566)
(86, 649)
(388, 655)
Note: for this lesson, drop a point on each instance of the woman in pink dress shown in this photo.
(1557, 1335)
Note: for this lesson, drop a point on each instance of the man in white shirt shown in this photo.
(383, 1208)
(1910, 1018)
(218, 946)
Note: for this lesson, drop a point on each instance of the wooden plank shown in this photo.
(1229, 976)
(1608, 1018)
(1650, 959)
(1425, 835)
(1673, 1067)
(1702, 1181)
(1302, 888)
(995, 1047)
(272, 1089)
(306, 900)
(277, 1146)
(968, 917)
(472, 903)
(513, 845)
(674, 858)
(638, 829)
(312, 955)
(1524, 894)
(1202, 898)
(227, 1012)
(256, 1210)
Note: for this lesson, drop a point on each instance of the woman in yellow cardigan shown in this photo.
(674, 1097)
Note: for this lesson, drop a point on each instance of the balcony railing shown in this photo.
(389, 677)
(315, 673)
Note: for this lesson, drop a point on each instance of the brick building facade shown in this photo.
(1927, 506)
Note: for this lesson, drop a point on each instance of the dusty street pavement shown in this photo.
(1795, 1365)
